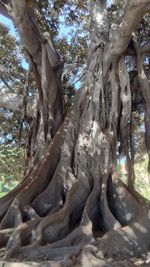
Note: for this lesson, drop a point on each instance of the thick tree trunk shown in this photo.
(47, 68)
(71, 198)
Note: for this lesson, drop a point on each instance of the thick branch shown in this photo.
(145, 49)
(4, 11)
(30, 32)
(14, 103)
(121, 35)
(43, 58)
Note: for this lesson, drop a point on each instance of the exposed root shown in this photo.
(122, 204)
(29, 214)
(80, 235)
(129, 241)
(54, 193)
(23, 233)
(21, 236)
(13, 216)
(50, 197)
(4, 236)
(56, 226)
(144, 202)
(26, 190)
(84, 232)
(4, 207)
(35, 252)
(109, 221)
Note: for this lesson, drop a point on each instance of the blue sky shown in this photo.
(64, 31)
(9, 24)
(13, 31)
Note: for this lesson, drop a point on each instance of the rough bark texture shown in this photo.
(43, 58)
(71, 207)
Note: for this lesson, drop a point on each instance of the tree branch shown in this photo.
(33, 38)
(42, 55)
(145, 49)
(14, 103)
(121, 35)
(4, 11)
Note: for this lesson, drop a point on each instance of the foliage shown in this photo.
(142, 179)
(12, 166)
(11, 72)
(12, 79)
(142, 182)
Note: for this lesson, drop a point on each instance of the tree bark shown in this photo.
(49, 113)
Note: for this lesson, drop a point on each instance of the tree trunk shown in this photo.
(71, 207)
(47, 68)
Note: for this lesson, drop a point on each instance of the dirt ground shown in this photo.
(127, 262)
(135, 262)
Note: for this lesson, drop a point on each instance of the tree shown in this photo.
(70, 196)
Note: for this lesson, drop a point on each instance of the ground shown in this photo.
(134, 262)
(126, 262)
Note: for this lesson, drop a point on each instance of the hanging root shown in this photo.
(144, 86)
(125, 96)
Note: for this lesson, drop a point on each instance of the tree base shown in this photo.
(62, 237)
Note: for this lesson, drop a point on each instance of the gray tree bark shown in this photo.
(43, 57)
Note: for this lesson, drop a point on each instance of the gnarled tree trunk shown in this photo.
(71, 197)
